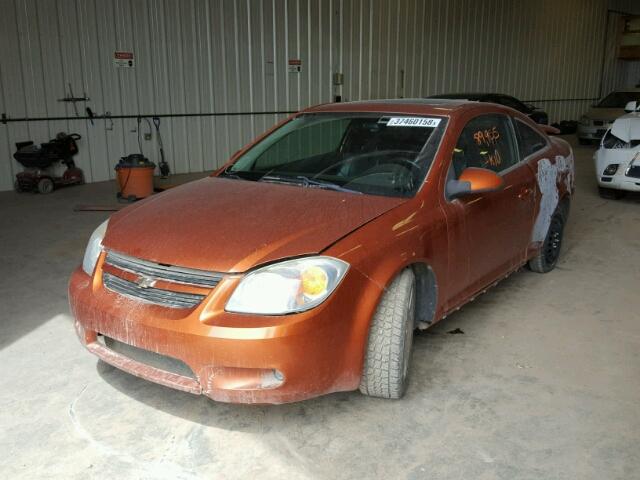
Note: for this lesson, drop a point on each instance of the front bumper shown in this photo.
(233, 358)
(623, 179)
(619, 182)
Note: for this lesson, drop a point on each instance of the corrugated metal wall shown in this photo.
(221, 56)
(537, 50)
(190, 57)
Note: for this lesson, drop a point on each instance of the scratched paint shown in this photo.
(550, 176)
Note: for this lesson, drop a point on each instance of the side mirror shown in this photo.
(474, 180)
(631, 107)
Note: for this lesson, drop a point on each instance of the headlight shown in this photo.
(611, 169)
(287, 287)
(584, 120)
(94, 247)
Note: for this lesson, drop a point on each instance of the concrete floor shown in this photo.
(542, 385)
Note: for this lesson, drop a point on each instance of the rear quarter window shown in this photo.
(529, 141)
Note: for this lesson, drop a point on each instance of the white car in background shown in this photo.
(618, 158)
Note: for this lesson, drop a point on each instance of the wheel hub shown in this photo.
(554, 241)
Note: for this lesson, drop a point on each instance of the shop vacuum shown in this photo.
(134, 174)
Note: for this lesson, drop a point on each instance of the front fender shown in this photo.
(406, 236)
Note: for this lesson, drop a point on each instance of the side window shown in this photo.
(529, 141)
(485, 142)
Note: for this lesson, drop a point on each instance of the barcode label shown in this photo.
(413, 122)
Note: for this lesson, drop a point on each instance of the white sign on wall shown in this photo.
(295, 65)
(123, 59)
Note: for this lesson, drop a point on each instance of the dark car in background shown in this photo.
(531, 111)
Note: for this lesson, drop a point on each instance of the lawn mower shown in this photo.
(42, 164)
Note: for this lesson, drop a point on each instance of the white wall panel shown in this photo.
(546, 52)
(230, 56)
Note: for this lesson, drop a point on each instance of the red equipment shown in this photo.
(40, 162)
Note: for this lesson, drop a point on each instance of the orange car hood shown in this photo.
(229, 225)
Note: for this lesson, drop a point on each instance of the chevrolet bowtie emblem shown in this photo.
(145, 282)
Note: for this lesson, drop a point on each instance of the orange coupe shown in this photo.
(305, 264)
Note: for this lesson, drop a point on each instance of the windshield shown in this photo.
(618, 99)
(360, 153)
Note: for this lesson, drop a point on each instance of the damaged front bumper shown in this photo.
(627, 174)
(228, 357)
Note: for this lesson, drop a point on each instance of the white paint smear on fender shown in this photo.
(549, 176)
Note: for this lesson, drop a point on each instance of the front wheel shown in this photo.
(386, 363)
(45, 185)
(547, 257)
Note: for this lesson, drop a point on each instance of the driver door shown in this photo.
(495, 225)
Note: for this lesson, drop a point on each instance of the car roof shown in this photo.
(463, 95)
(418, 106)
(472, 95)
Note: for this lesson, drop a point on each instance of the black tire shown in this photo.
(388, 353)
(45, 185)
(549, 253)
(610, 193)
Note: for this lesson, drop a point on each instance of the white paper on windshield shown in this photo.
(413, 122)
(627, 127)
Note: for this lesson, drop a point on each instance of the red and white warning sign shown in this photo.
(123, 59)
(295, 65)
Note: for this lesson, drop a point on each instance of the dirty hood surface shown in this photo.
(229, 225)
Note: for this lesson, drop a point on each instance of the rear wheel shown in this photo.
(45, 185)
(610, 193)
(547, 257)
(386, 364)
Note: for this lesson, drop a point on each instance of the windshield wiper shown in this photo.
(328, 185)
(306, 182)
(240, 174)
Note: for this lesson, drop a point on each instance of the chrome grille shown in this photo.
(157, 296)
(170, 273)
